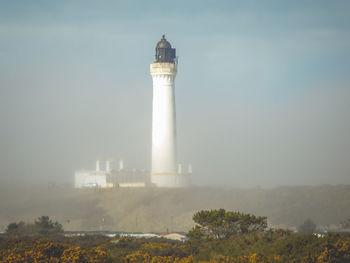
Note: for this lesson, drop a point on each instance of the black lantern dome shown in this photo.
(164, 52)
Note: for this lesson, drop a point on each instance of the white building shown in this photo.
(110, 177)
(165, 169)
(92, 179)
(175, 236)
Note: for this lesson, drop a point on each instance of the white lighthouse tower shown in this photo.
(165, 172)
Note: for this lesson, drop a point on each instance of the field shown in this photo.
(159, 210)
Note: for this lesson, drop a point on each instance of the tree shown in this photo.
(308, 227)
(43, 226)
(345, 224)
(221, 224)
(14, 229)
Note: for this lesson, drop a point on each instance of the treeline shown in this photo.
(219, 236)
(156, 210)
(42, 227)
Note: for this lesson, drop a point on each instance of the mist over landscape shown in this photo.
(162, 210)
(161, 131)
(262, 91)
(262, 110)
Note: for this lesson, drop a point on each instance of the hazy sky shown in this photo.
(262, 92)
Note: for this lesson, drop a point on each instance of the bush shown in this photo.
(43, 227)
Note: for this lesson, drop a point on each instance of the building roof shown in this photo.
(163, 43)
(164, 52)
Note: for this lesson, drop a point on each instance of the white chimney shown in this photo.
(121, 164)
(108, 166)
(179, 168)
(190, 168)
(97, 165)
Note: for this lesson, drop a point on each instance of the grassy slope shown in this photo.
(161, 209)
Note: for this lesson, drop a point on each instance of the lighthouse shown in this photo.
(165, 170)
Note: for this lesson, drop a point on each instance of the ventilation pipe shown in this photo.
(108, 166)
(97, 165)
(179, 168)
(121, 164)
(190, 168)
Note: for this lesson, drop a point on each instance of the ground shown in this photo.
(159, 210)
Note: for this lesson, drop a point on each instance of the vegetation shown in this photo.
(308, 227)
(345, 224)
(219, 237)
(221, 224)
(155, 210)
(43, 226)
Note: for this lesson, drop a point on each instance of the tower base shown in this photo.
(171, 180)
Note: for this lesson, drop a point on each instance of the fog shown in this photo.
(262, 91)
(159, 209)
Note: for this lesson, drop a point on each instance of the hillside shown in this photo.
(159, 210)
